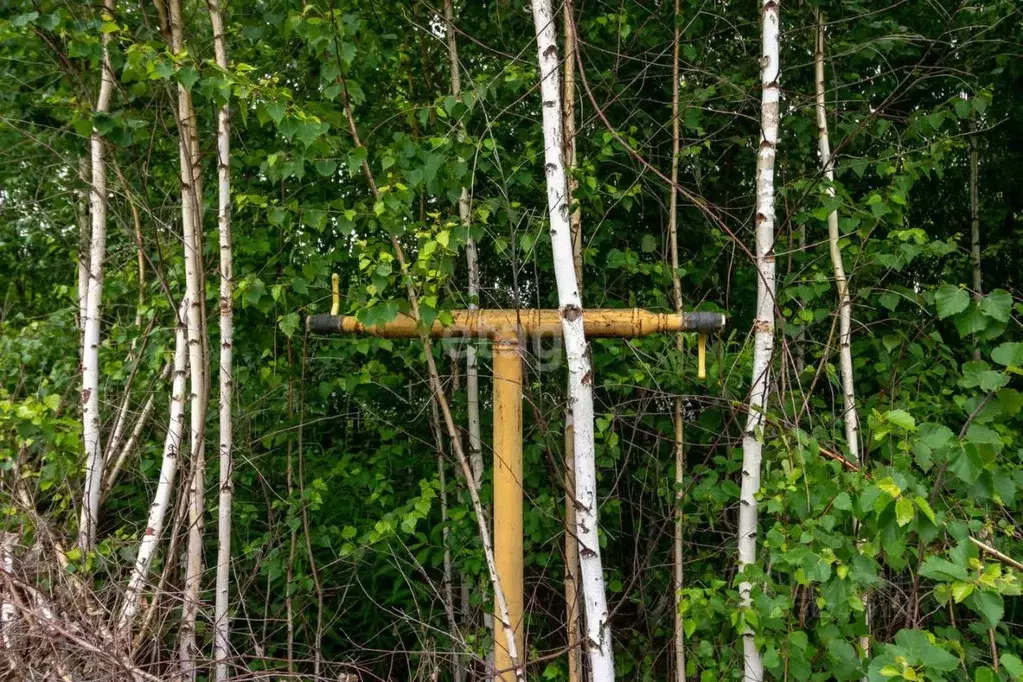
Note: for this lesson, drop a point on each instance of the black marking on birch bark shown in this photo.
(762, 326)
(550, 168)
(85, 395)
(550, 51)
(571, 312)
(771, 6)
(764, 144)
(587, 553)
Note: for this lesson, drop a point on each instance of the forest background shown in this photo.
(194, 487)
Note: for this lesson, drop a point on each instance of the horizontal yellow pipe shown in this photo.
(496, 324)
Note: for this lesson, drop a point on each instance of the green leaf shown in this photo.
(1008, 354)
(289, 324)
(348, 52)
(979, 434)
(188, 77)
(961, 590)
(935, 436)
(24, 19)
(937, 568)
(972, 321)
(988, 605)
(984, 674)
(902, 419)
(275, 110)
(904, 511)
(925, 508)
(325, 167)
(1013, 665)
(978, 374)
(997, 305)
(951, 300)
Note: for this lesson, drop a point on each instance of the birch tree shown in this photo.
(472, 381)
(165, 484)
(221, 624)
(91, 436)
(850, 416)
(580, 396)
(191, 193)
(763, 323)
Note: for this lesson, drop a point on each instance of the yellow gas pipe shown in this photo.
(506, 328)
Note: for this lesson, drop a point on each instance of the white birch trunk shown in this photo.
(164, 487)
(221, 623)
(850, 416)
(598, 630)
(84, 228)
(91, 322)
(8, 610)
(763, 324)
(192, 239)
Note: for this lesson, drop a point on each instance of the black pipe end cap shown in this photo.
(705, 323)
(324, 324)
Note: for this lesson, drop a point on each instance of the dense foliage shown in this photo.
(338, 492)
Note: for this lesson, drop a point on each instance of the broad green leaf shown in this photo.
(978, 374)
(1008, 354)
(997, 305)
(988, 604)
(904, 511)
(937, 568)
(979, 434)
(902, 419)
(951, 300)
(984, 674)
(1013, 665)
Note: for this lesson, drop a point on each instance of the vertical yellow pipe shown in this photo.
(508, 496)
(701, 356)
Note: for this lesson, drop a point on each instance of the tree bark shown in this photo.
(221, 622)
(763, 324)
(978, 282)
(572, 616)
(165, 484)
(91, 437)
(850, 416)
(472, 261)
(191, 202)
(598, 630)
